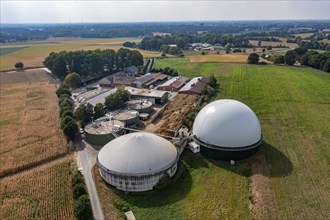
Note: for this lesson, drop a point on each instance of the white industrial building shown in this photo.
(137, 161)
(227, 129)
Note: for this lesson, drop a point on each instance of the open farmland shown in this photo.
(29, 122)
(273, 44)
(35, 53)
(287, 179)
(10, 49)
(38, 194)
(223, 58)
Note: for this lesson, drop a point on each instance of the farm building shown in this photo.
(142, 80)
(154, 96)
(227, 130)
(136, 162)
(106, 82)
(117, 79)
(102, 130)
(149, 79)
(100, 98)
(194, 86)
(174, 84)
(131, 70)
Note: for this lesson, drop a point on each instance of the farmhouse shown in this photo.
(149, 79)
(174, 84)
(194, 86)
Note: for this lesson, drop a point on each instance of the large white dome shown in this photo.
(137, 153)
(227, 123)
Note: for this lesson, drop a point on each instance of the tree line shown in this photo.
(25, 32)
(312, 58)
(92, 62)
(182, 41)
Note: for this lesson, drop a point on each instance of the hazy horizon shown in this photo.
(66, 12)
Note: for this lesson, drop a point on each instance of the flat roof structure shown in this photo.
(194, 86)
(146, 92)
(101, 97)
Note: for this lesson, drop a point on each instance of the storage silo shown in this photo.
(137, 161)
(227, 130)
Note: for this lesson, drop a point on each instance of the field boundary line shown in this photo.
(32, 165)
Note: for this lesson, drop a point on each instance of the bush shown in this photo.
(279, 59)
(253, 58)
(117, 100)
(79, 190)
(67, 113)
(63, 89)
(65, 103)
(73, 80)
(237, 51)
(122, 206)
(19, 65)
(212, 81)
(66, 120)
(82, 208)
(77, 178)
(70, 129)
(65, 108)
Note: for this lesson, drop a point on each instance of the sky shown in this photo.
(60, 11)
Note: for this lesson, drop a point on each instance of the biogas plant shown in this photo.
(224, 129)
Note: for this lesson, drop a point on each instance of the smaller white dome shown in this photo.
(138, 153)
(227, 123)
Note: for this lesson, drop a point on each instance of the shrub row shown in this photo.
(81, 203)
(68, 123)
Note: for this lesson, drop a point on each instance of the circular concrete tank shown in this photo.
(100, 132)
(142, 106)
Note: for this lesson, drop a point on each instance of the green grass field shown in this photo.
(287, 179)
(7, 50)
(34, 53)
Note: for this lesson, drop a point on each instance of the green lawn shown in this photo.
(293, 106)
